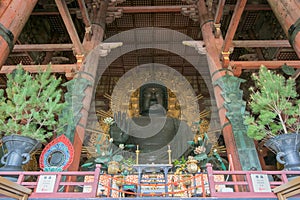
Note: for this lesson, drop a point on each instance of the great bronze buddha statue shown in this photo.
(152, 131)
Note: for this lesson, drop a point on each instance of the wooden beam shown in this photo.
(14, 16)
(236, 16)
(43, 47)
(287, 13)
(157, 9)
(86, 19)
(13, 190)
(152, 9)
(288, 189)
(269, 64)
(37, 12)
(251, 7)
(261, 43)
(58, 68)
(69, 47)
(219, 13)
(218, 17)
(64, 12)
(84, 13)
(98, 26)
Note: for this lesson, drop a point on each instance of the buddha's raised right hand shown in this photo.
(119, 130)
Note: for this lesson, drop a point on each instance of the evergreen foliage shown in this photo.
(274, 104)
(31, 105)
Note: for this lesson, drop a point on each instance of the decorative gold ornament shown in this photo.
(192, 166)
(113, 167)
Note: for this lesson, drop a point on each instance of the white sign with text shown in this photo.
(260, 183)
(46, 183)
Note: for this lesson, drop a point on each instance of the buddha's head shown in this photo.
(153, 98)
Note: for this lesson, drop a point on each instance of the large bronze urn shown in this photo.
(287, 148)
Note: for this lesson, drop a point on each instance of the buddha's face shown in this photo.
(152, 96)
(153, 99)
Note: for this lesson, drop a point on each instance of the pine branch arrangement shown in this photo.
(31, 105)
(275, 107)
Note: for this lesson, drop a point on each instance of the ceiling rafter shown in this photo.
(55, 68)
(219, 12)
(85, 18)
(237, 67)
(235, 19)
(65, 14)
(274, 64)
(147, 9)
(70, 47)
(261, 43)
(152, 9)
(43, 47)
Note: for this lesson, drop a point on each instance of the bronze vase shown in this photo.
(287, 148)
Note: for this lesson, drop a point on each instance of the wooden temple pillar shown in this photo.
(97, 28)
(214, 44)
(88, 71)
(240, 148)
(288, 15)
(215, 67)
(13, 16)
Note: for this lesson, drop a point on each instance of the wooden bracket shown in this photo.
(217, 30)
(225, 58)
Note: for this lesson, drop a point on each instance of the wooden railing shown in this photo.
(65, 183)
(245, 184)
(71, 184)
